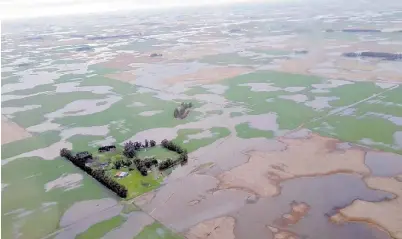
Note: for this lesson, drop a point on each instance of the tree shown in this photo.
(127, 162)
(118, 164)
(164, 143)
(176, 113)
(137, 145)
(143, 171)
(146, 144)
(190, 105)
(183, 158)
(182, 111)
(66, 153)
(152, 143)
(129, 149)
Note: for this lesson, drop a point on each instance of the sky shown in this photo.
(17, 9)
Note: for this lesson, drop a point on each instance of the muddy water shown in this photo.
(261, 87)
(102, 130)
(45, 126)
(81, 225)
(12, 110)
(323, 195)
(226, 154)
(182, 204)
(84, 107)
(66, 182)
(398, 139)
(297, 98)
(384, 164)
(298, 134)
(151, 75)
(81, 210)
(48, 153)
(216, 89)
(74, 87)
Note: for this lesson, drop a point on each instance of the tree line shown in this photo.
(130, 147)
(182, 159)
(98, 174)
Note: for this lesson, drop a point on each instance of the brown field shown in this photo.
(209, 75)
(385, 214)
(307, 157)
(11, 132)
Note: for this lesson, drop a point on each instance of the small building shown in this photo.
(106, 148)
(84, 156)
(121, 174)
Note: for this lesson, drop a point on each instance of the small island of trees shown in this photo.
(182, 111)
(128, 158)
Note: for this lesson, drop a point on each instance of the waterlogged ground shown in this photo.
(287, 137)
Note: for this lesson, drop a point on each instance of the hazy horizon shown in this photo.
(24, 9)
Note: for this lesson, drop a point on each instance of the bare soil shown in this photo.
(209, 75)
(11, 131)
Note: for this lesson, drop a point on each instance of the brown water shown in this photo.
(323, 195)
(384, 164)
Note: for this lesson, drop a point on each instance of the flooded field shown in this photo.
(295, 129)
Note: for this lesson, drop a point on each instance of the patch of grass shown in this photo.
(29, 144)
(157, 231)
(100, 229)
(193, 144)
(235, 114)
(353, 129)
(130, 122)
(119, 87)
(196, 90)
(394, 95)
(158, 151)
(128, 208)
(245, 131)
(135, 183)
(48, 104)
(352, 93)
(380, 108)
(26, 179)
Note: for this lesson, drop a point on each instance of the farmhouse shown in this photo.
(106, 148)
(83, 156)
(121, 174)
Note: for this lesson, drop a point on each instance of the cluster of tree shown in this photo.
(122, 162)
(145, 164)
(98, 174)
(180, 112)
(182, 159)
(130, 147)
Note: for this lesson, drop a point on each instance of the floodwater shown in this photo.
(318, 193)
(268, 84)
(384, 164)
